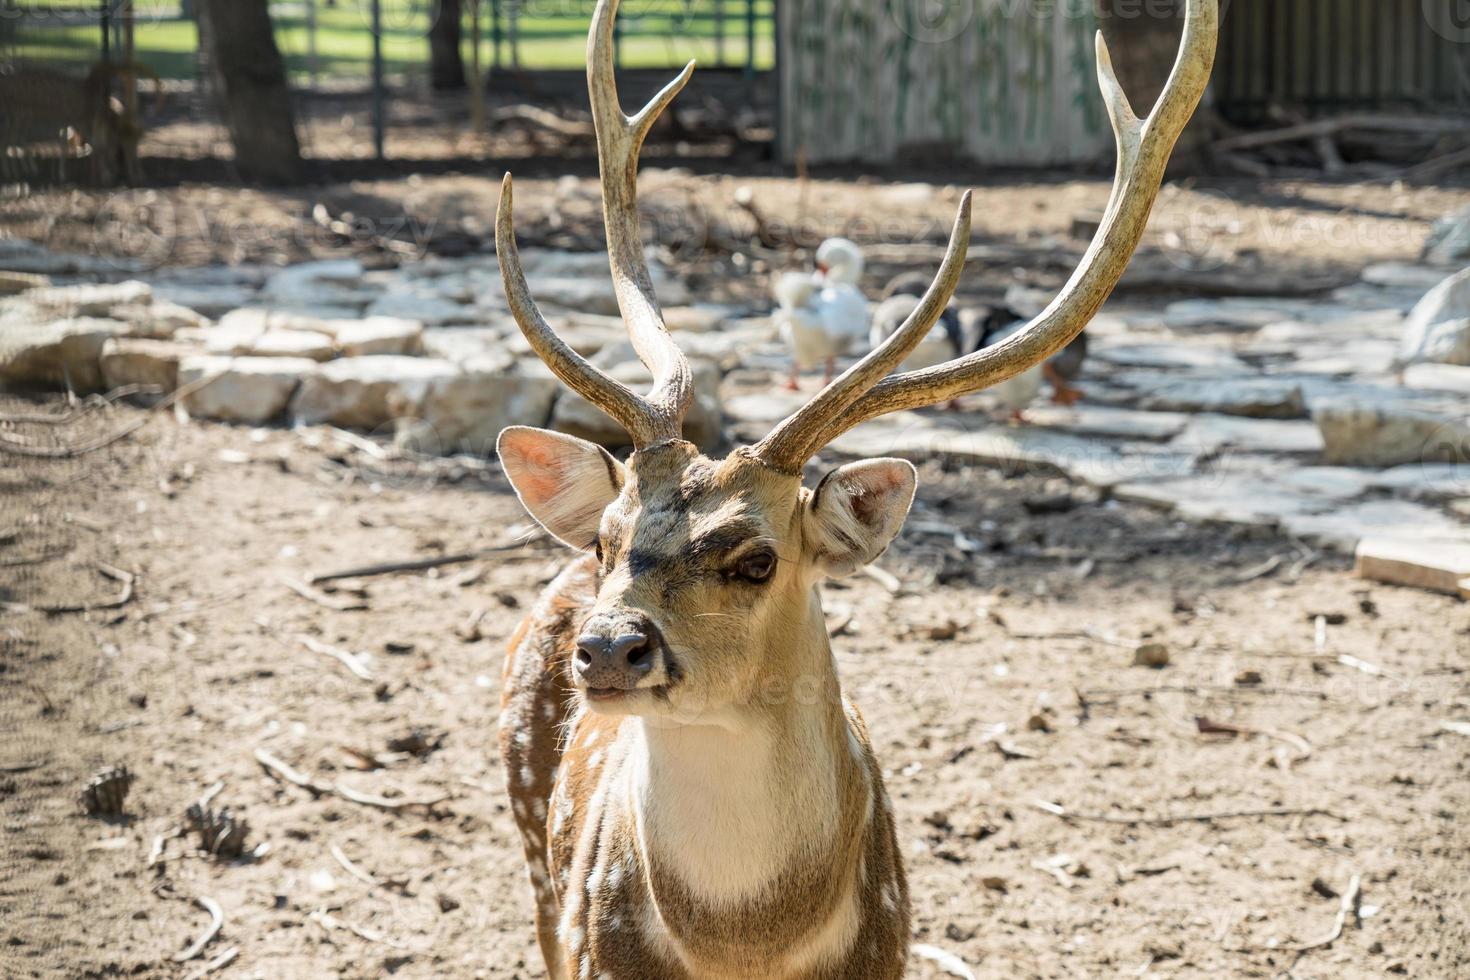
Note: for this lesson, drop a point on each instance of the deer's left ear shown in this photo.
(855, 512)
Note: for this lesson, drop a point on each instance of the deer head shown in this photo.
(707, 567)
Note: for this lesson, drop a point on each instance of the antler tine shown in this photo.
(796, 439)
(1144, 147)
(619, 138)
(617, 400)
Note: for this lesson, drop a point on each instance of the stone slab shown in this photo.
(252, 390)
(1209, 433)
(1342, 528)
(1434, 565)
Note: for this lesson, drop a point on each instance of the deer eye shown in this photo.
(756, 566)
(597, 550)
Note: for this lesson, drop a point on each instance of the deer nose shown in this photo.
(615, 659)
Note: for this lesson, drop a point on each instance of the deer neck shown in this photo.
(732, 805)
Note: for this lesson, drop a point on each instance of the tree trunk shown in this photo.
(1143, 37)
(446, 66)
(248, 78)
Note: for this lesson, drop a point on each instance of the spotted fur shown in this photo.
(734, 824)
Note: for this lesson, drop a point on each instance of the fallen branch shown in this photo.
(414, 564)
(22, 766)
(1303, 748)
(365, 877)
(386, 803)
(1257, 571)
(216, 923)
(219, 962)
(1057, 810)
(280, 769)
(329, 922)
(1397, 123)
(1202, 690)
(321, 598)
(353, 662)
(1348, 906)
(94, 403)
(128, 579)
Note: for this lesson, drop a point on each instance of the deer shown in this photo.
(695, 794)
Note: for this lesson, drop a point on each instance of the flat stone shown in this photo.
(159, 319)
(701, 318)
(252, 390)
(460, 344)
(1451, 378)
(703, 426)
(1434, 565)
(368, 392)
(1438, 328)
(326, 283)
(1012, 449)
(1189, 356)
(213, 301)
(1194, 314)
(1098, 420)
(1449, 240)
(1337, 482)
(1365, 434)
(1343, 527)
(62, 353)
(12, 283)
(428, 310)
(1403, 275)
(1425, 481)
(467, 411)
(1208, 433)
(275, 342)
(377, 335)
(92, 299)
(1250, 397)
(1232, 498)
(143, 361)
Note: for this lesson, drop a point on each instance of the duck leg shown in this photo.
(1062, 393)
(831, 371)
(791, 383)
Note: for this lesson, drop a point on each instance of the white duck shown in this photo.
(822, 315)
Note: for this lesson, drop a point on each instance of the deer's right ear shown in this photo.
(564, 482)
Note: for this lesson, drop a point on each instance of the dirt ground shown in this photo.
(1003, 677)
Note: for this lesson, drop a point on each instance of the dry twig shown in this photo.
(219, 962)
(352, 661)
(1164, 821)
(216, 923)
(415, 564)
(321, 598)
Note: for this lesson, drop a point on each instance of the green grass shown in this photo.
(655, 33)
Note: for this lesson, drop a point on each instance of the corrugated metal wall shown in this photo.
(1003, 82)
(1341, 55)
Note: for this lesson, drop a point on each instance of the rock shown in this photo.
(62, 353)
(377, 335)
(12, 283)
(1364, 434)
(1232, 498)
(252, 390)
(1155, 655)
(159, 319)
(703, 425)
(1118, 423)
(1449, 240)
(429, 310)
(461, 344)
(89, 299)
(1420, 564)
(1209, 433)
(1170, 356)
(1194, 314)
(1438, 328)
(466, 412)
(589, 295)
(701, 318)
(1341, 528)
(1338, 482)
(315, 285)
(1438, 377)
(368, 392)
(1251, 397)
(271, 343)
(143, 361)
(1425, 481)
(208, 300)
(1402, 275)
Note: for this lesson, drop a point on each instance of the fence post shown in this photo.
(749, 38)
(378, 134)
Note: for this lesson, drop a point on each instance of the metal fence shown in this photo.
(1338, 55)
(360, 69)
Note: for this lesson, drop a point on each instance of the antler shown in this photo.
(659, 416)
(1144, 147)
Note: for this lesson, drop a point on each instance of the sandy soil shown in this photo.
(1033, 628)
